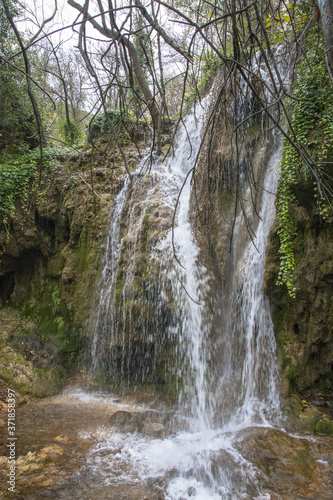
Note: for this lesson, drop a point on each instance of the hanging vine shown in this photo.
(311, 111)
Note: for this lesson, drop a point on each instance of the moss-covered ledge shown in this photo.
(49, 269)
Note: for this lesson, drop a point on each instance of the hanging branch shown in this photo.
(113, 34)
(90, 68)
(44, 23)
(7, 61)
(154, 24)
(30, 92)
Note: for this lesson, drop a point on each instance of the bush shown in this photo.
(70, 132)
(102, 123)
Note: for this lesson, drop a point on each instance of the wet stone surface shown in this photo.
(83, 445)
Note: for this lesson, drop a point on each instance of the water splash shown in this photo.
(226, 373)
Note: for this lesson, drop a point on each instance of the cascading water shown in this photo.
(248, 384)
(182, 281)
(112, 253)
(200, 459)
(260, 373)
(165, 321)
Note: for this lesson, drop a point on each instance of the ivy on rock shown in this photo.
(311, 111)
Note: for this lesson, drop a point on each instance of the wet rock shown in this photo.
(154, 429)
(125, 421)
(149, 422)
(25, 366)
(312, 416)
(43, 480)
(140, 494)
(290, 466)
(51, 452)
(303, 327)
(308, 418)
(61, 439)
(25, 377)
(36, 460)
(70, 269)
(319, 404)
(35, 471)
(48, 269)
(324, 426)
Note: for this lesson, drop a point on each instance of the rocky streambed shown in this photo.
(86, 444)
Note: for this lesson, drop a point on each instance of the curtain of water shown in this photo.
(180, 285)
(163, 318)
(244, 383)
(249, 384)
(224, 385)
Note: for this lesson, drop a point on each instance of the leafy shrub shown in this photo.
(70, 131)
(19, 178)
(102, 123)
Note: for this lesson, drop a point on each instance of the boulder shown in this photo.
(148, 422)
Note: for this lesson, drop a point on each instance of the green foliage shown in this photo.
(46, 308)
(49, 311)
(311, 110)
(103, 122)
(56, 304)
(17, 175)
(286, 230)
(208, 66)
(70, 131)
(19, 178)
(208, 70)
(16, 115)
(6, 33)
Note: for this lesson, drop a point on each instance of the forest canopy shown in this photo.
(70, 69)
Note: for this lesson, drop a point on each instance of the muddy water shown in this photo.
(68, 450)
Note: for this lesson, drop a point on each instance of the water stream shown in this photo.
(199, 455)
(220, 438)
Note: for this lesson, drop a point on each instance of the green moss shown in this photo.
(227, 198)
(324, 426)
(119, 291)
(49, 312)
(23, 376)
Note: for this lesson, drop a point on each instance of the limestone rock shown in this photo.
(147, 422)
(154, 429)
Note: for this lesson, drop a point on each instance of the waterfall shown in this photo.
(247, 373)
(225, 371)
(181, 281)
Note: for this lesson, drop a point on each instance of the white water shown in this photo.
(249, 384)
(189, 278)
(199, 461)
(108, 278)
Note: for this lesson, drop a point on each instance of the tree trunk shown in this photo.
(113, 34)
(326, 11)
(153, 109)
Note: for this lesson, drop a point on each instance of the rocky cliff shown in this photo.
(49, 269)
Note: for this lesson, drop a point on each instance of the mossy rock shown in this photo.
(308, 418)
(21, 375)
(324, 426)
